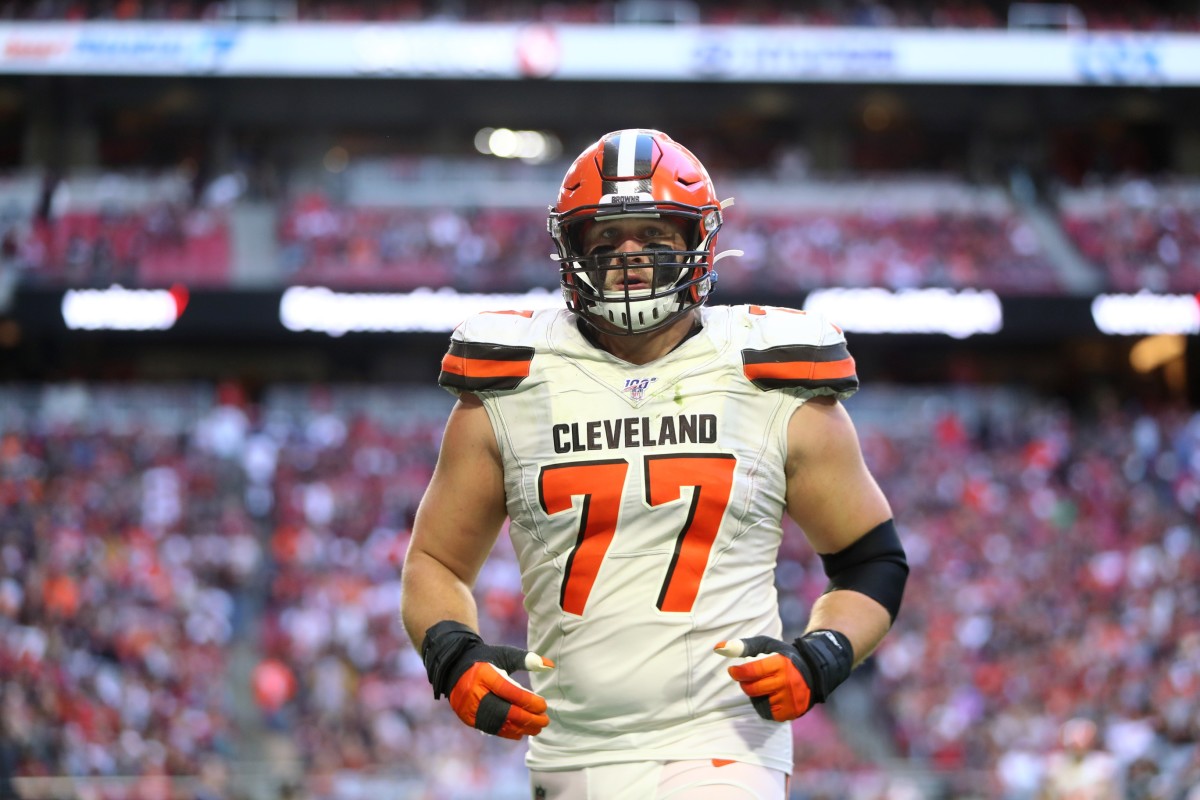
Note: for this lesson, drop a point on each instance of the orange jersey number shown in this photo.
(602, 484)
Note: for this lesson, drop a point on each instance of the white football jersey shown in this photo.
(645, 505)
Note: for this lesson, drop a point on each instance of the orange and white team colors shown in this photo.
(645, 505)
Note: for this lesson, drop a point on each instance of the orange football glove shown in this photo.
(795, 677)
(474, 676)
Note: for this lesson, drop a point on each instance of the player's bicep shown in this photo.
(831, 494)
(464, 506)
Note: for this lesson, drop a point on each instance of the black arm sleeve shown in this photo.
(874, 565)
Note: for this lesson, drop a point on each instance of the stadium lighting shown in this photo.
(534, 147)
(482, 137)
(336, 159)
(120, 309)
(504, 143)
(318, 308)
(1146, 313)
(1154, 351)
(954, 313)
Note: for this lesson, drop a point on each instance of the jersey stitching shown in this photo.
(500, 424)
(562, 637)
(752, 472)
(730, 784)
(752, 491)
(691, 670)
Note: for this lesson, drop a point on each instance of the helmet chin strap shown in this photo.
(633, 316)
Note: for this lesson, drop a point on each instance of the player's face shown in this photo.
(632, 235)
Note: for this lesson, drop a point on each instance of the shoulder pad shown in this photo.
(490, 352)
(797, 350)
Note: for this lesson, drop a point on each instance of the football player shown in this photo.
(643, 447)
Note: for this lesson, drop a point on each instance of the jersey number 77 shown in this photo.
(601, 484)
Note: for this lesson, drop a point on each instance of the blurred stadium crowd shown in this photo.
(1133, 234)
(158, 537)
(198, 589)
(1094, 14)
(503, 249)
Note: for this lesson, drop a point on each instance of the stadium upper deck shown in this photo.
(895, 234)
(1092, 14)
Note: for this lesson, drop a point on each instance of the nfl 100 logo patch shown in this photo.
(636, 387)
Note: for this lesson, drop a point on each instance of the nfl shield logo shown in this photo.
(636, 387)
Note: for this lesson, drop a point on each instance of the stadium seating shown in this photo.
(918, 235)
(124, 550)
(876, 13)
(902, 233)
(100, 229)
(1143, 235)
(1041, 543)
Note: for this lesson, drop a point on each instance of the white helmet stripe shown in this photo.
(627, 153)
(627, 162)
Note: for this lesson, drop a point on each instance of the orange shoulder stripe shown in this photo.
(802, 370)
(484, 368)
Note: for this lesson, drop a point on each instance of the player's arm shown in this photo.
(455, 529)
(834, 498)
(456, 525)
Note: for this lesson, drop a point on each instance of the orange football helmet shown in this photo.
(636, 173)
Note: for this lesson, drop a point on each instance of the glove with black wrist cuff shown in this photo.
(474, 675)
(795, 676)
